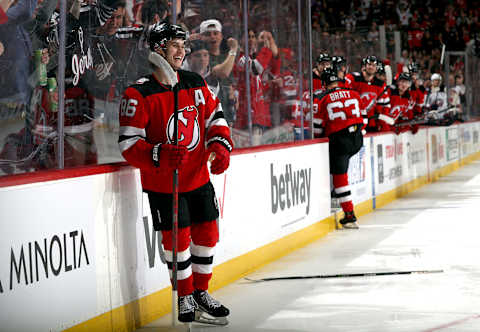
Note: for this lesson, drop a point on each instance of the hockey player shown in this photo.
(401, 106)
(373, 92)
(339, 118)
(146, 141)
(323, 61)
(417, 90)
(381, 74)
(339, 64)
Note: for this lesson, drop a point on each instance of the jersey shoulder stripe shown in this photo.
(148, 86)
(189, 80)
(378, 82)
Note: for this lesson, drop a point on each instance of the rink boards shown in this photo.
(78, 251)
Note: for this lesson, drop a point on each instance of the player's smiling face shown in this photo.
(175, 53)
(371, 68)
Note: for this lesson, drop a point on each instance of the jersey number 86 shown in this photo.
(128, 108)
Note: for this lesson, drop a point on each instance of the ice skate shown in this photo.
(349, 221)
(209, 311)
(186, 309)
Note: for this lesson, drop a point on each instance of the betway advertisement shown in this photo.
(269, 194)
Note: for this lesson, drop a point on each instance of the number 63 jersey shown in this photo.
(338, 108)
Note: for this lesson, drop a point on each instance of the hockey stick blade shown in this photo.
(346, 275)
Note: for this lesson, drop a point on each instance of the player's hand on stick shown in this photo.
(169, 156)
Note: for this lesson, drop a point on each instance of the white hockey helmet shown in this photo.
(436, 76)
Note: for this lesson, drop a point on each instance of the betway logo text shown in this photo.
(290, 188)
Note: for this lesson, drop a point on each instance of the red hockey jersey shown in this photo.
(401, 110)
(338, 109)
(146, 118)
(318, 86)
(260, 108)
(418, 96)
(373, 94)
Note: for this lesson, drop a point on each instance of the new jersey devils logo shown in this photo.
(188, 127)
(398, 110)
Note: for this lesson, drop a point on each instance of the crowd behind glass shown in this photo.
(263, 78)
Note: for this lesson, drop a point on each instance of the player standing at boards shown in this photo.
(339, 118)
(147, 141)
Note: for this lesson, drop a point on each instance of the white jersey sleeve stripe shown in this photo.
(132, 131)
(212, 116)
(127, 143)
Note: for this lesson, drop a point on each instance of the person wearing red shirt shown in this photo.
(417, 91)
(260, 59)
(323, 61)
(339, 64)
(373, 92)
(146, 140)
(401, 103)
(339, 118)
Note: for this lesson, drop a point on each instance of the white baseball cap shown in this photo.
(210, 25)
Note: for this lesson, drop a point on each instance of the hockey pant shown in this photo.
(342, 146)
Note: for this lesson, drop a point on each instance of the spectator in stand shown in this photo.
(152, 11)
(198, 61)
(376, 12)
(404, 15)
(260, 58)
(436, 96)
(4, 5)
(415, 36)
(15, 62)
(460, 88)
(222, 60)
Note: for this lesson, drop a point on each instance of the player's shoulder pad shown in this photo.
(393, 90)
(148, 85)
(320, 95)
(378, 82)
(190, 79)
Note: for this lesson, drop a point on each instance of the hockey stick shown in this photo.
(347, 275)
(175, 213)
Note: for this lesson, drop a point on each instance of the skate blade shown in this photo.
(350, 225)
(204, 318)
